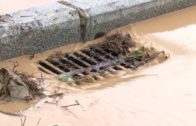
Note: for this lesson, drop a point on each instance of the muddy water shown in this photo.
(165, 98)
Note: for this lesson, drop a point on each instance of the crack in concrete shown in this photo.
(82, 16)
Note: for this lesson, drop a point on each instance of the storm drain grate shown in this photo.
(95, 61)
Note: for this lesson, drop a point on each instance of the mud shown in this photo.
(159, 95)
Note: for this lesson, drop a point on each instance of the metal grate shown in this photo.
(95, 61)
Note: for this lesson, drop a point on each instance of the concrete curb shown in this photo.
(57, 24)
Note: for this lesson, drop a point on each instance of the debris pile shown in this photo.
(18, 85)
(118, 43)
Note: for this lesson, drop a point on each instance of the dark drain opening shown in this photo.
(96, 61)
(117, 68)
(54, 62)
(77, 61)
(92, 55)
(110, 52)
(94, 70)
(105, 55)
(67, 64)
(49, 67)
(64, 68)
(57, 62)
(85, 73)
(87, 60)
(70, 64)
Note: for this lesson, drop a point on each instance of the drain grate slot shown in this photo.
(50, 67)
(72, 65)
(84, 58)
(113, 54)
(77, 61)
(117, 68)
(101, 52)
(97, 61)
(64, 68)
(88, 53)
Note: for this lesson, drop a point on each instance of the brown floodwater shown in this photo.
(160, 95)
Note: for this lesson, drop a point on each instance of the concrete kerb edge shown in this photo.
(53, 25)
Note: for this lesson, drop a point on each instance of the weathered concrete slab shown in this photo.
(37, 29)
(53, 25)
(105, 15)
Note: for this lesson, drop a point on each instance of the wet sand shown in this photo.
(167, 97)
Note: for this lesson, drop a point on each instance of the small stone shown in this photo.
(89, 80)
(18, 91)
(65, 78)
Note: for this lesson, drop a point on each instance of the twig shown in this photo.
(23, 121)
(32, 56)
(41, 79)
(54, 103)
(55, 95)
(11, 114)
(71, 112)
(67, 106)
(38, 122)
(16, 64)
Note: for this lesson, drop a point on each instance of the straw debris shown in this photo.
(18, 85)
